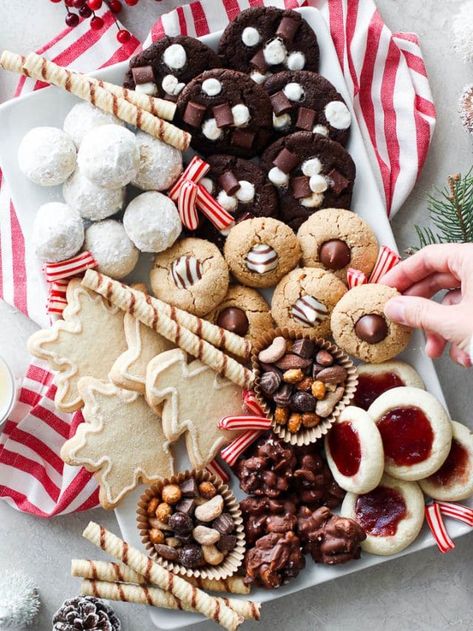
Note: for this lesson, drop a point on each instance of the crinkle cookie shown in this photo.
(243, 311)
(336, 239)
(360, 327)
(260, 251)
(305, 298)
(191, 275)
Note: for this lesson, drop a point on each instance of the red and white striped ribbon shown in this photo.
(355, 277)
(386, 260)
(231, 452)
(437, 527)
(72, 267)
(216, 469)
(186, 204)
(57, 300)
(251, 403)
(457, 511)
(244, 422)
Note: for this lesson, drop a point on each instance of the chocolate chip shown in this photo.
(233, 319)
(339, 183)
(324, 358)
(259, 62)
(189, 488)
(288, 28)
(224, 524)
(280, 103)
(305, 118)
(333, 375)
(194, 114)
(242, 138)
(300, 187)
(282, 398)
(303, 402)
(304, 348)
(180, 523)
(290, 360)
(167, 552)
(286, 160)
(316, 368)
(334, 254)
(269, 383)
(186, 505)
(143, 74)
(229, 182)
(227, 543)
(191, 555)
(371, 328)
(223, 115)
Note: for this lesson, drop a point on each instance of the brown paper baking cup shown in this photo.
(304, 436)
(232, 560)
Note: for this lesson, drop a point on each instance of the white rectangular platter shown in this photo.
(49, 107)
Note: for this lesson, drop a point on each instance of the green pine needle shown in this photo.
(451, 213)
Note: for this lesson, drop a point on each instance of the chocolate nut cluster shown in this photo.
(188, 524)
(301, 382)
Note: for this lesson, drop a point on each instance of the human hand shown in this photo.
(419, 278)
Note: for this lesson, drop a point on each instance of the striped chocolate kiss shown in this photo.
(185, 271)
(261, 259)
(308, 310)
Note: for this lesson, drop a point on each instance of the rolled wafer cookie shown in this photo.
(158, 107)
(142, 308)
(211, 607)
(144, 595)
(78, 84)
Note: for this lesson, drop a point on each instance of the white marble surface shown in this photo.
(425, 591)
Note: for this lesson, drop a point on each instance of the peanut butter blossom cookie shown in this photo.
(306, 101)
(226, 112)
(335, 239)
(166, 67)
(310, 172)
(191, 275)
(266, 40)
(360, 327)
(259, 252)
(305, 299)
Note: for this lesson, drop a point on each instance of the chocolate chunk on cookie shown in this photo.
(166, 67)
(306, 101)
(226, 112)
(266, 40)
(310, 172)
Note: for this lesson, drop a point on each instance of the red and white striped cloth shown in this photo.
(386, 76)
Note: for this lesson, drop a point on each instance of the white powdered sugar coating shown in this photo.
(83, 117)
(294, 91)
(278, 177)
(281, 122)
(259, 77)
(111, 248)
(229, 202)
(152, 222)
(295, 61)
(320, 129)
(314, 201)
(250, 36)
(171, 85)
(211, 87)
(150, 88)
(58, 232)
(275, 52)
(210, 129)
(208, 184)
(92, 201)
(160, 164)
(261, 258)
(246, 193)
(47, 156)
(241, 115)
(109, 156)
(312, 166)
(318, 183)
(338, 114)
(308, 310)
(175, 56)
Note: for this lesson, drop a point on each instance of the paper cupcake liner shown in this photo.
(232, 560)
(310, 435)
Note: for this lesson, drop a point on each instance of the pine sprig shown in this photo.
(451, 213)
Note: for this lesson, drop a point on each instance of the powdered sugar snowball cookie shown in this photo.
(392, 515)
(454, 480)
(47, 156)
(92, 201)
(83, 117)
(160, 164)
(152, 222)
(354, 451)
(374, 379)
(416, 432)
(58, 232)
(110, 246)
(109, 156)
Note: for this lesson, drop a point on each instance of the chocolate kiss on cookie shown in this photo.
(360, 327)
(392, 515)
(374, 379)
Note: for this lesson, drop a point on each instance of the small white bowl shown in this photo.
(8, 391)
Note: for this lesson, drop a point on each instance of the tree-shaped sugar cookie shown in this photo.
(192, 398)
(84, 344)
(121, 441)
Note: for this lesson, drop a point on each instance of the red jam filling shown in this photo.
(380, 511)
(345, 448)
(370, 387)
(455, 468)
(407, 435)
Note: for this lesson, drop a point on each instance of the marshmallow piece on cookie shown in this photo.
(110, 246)
(47, 156)
(58, 232)
(83, 117)
(152, 222)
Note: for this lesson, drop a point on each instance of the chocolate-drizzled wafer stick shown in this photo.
(144, 595)
(142, 308)
(215, 335)
(44, 70)
(209, 606)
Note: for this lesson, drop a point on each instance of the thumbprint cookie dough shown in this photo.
(454, 480)
(375, 379)
(304, 299)
(306, 101)
(226, 112)
(260, 251)
(166, 67)
(266, 40)
(416, 432)
(336, 239)
(360, 327)
(310, 172)
(243, 311)
(191, 275)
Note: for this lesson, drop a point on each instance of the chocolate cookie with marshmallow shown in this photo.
(166, 67)
(265, 40)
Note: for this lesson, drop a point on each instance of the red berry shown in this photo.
(72, 19)
(123, 36)
(131, 3)
(96, 23)
(94, 4)
(78, 4)
(85, 12)
(69, 3)
(55, 1)
(115, 6)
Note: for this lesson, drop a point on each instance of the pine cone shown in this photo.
(275, 559)
(85, 613)
(313, 480)
(262, 515)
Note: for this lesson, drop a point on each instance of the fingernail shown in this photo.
(395, 310)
